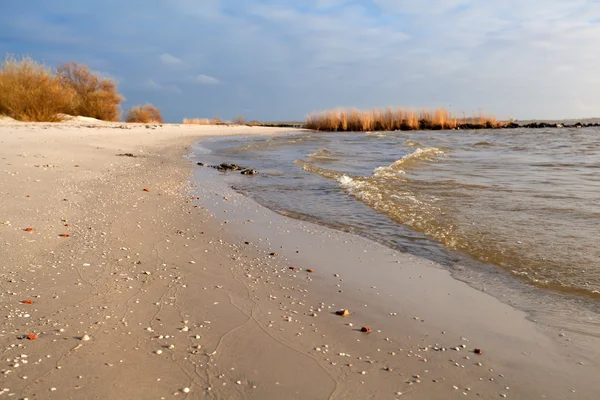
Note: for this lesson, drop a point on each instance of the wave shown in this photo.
(326, 173)
(417, 157)
(322, 153)
(393, 171)
(412, 143)
(389, 191)
(376, 134)
(273, 142)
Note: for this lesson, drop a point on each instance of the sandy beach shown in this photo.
(122, 278)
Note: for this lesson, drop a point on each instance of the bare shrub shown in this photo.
(29, 91)
(96, 97)
(240, 120)
(144, 114)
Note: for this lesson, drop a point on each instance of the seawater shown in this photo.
(524, 202)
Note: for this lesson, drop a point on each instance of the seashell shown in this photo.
(343, 313)
(27, 301)
(32, 336)
(310, 270)
(146, 190)
(478, 351)
(64, 235)
(365, 329)
(28, 229)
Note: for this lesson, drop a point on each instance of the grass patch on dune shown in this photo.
(33, 92)
(390, 119)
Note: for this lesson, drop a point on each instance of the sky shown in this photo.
(279, 60)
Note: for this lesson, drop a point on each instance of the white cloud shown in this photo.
(151, 84)
(169, 59)
(108, 75)
(205, 80)
(525, 58)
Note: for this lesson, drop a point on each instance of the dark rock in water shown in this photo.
(230, 167)
(513, 125)
(225, 167)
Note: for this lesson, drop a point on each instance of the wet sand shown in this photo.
(172, 292)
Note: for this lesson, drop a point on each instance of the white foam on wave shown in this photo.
(320, 153)
(425, 154)
(345, 180)
(398, 167)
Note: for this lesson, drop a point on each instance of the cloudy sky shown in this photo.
(280, 59)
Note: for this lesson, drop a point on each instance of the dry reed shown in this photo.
(395, 119)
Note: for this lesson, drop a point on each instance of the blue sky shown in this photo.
(278, 60)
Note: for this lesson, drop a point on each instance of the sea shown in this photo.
(518, 207)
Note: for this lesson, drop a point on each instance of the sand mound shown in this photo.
(4, 119)
(80, 119)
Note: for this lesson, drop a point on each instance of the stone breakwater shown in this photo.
(537, 125)
(531, 125)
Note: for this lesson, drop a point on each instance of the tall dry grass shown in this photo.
(390, 119)
(31, 91)
(147, 114)
(197, 121)
(96, 97)
(203, 121)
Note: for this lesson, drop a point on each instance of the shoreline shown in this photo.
(140, 267)
(539, 301)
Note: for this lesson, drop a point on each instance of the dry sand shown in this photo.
(172, 292)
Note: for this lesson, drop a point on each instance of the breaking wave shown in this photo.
(417, 157)
(322, 153)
